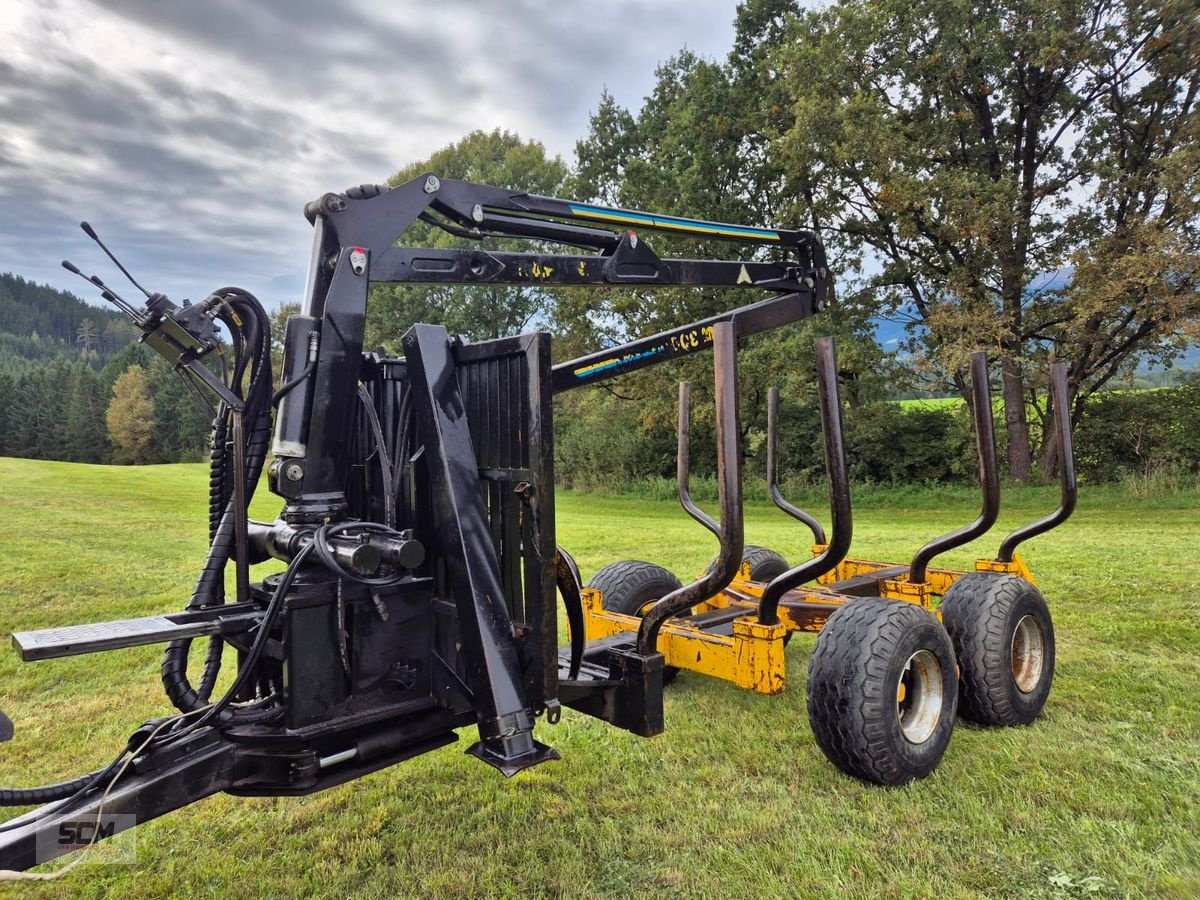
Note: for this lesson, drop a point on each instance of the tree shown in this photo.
(85, 438)
(498, 158)
(973, 150)
(87, 336)
(279, 332)
(700, 147)
(182, 421)
(131, 417)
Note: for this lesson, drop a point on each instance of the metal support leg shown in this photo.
(505, 720)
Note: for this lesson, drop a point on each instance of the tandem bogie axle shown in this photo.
(423, 576)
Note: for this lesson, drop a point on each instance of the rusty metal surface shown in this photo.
(1066, 468)
(839, 490)
(570, 585)
(683, 463)
(729, 483)
(989, 476)
(777, 497)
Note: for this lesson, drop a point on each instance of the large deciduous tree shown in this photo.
(976, 149)
(701, 146)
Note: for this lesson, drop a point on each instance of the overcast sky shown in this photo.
(190, 134)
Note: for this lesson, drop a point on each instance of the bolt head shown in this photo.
(294, 472)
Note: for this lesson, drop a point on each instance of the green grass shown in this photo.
(1100, 797)
(945, 403)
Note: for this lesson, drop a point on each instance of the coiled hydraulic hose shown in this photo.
(250, 328)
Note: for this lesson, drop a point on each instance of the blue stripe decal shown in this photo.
(669, 221)
(592, 370)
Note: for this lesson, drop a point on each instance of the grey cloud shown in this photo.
(197, 182)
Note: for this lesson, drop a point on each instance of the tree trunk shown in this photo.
(1016, 422)
(1048, 458)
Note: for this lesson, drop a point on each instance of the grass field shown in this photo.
(1101, 797)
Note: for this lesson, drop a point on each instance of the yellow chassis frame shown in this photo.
(752, 655)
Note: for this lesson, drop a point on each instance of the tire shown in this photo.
(1004, 639)
(868, 648)
(626, 587)
(764, 562)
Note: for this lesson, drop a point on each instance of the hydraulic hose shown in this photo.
(248, 323)
(209, 588)
(36, 796)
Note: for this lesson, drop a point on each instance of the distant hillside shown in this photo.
(39, 323)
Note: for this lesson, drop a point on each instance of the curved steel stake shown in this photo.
(1066, 468)
(839, 490)
(729, 485)
(683, 466)
(777, 498)
(989, 476)
(570, 585)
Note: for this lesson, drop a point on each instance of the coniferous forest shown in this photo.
(61, 366)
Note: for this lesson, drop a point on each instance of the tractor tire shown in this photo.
(881, 690)
(626, 587)
(1004, 640)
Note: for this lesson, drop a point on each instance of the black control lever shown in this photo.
(182, 335)
(91, 232)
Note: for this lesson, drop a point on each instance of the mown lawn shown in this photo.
(1100, 797)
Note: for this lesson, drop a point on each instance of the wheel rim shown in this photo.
(919, 697)
(1028, 654)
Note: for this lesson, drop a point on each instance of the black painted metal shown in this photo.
(570, 585)
(432, 266)
(619, 685)
(465, 541)
(335, 383)
(1066, 468)
(72, 640)
(729, 487)
(353, 658)
(683, 462)
(207, 769)
(839, 491)
(505, 386)
(989, 475)
(757, 317)
(777, 497)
